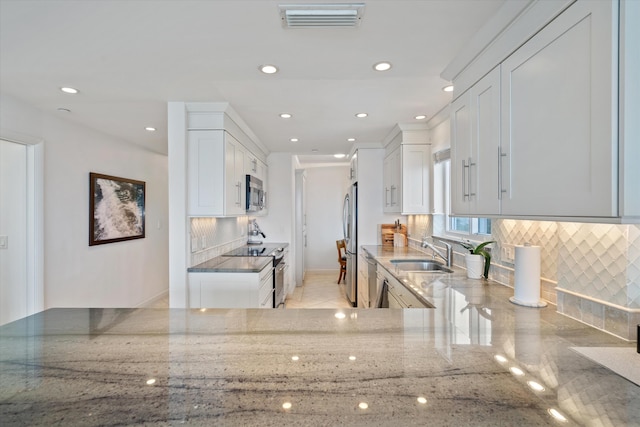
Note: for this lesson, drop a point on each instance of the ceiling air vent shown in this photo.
(344, 15)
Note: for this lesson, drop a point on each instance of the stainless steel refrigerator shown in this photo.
(350, 230)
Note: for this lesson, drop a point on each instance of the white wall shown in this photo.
(124, 274)
(326, 187)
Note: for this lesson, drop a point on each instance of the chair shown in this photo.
(342, 259)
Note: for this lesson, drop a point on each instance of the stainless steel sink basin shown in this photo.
(413, 265)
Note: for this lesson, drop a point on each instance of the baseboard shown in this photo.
(151, 301)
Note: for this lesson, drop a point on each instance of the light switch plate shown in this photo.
(4, 242)
(508, 253)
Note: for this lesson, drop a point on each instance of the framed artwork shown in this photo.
(116, 209)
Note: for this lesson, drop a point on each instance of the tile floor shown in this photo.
(319, 290)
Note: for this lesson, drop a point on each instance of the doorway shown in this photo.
(20, 230)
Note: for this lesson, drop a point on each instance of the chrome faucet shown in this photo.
(448, 257)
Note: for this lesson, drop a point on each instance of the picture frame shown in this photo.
(116, 209)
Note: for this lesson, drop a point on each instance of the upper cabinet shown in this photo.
(220, 152)
(392, 180)
(475, 149)
(216, 179)
(538, 136)
(559, 117)
(407, 173)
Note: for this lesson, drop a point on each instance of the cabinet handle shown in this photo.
(393, 187)
(255, 165)
(465, 194)
(500, 189)
(239, 198)
(471, 194)
(386, 196)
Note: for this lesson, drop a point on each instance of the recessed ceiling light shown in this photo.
(420, 117)
(382, 66)
(268, 69)
(339, 155)
(69, 90)
(150, 129)
(351, 139)
(285, 115)
(294, 140)
(361, 115)
(314, 150)
(448, 88)
(64, 110)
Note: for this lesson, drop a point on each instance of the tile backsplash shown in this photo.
(590, 271)
(211, 237)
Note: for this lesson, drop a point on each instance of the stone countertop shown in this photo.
(450, 366)
(235, 264)
(424, 285)
(239, 264)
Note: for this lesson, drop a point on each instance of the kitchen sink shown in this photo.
(426, 265)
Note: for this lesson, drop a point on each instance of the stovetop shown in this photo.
(254, 251)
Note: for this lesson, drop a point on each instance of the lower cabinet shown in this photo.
(232, 290)
(363, 282)
(399, 296)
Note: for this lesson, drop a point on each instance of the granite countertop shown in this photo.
(236, 264)
(454, 365)
(424, 285)
(239, 264)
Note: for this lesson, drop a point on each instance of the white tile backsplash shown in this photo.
(212, 237)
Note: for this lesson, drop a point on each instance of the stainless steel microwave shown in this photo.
(256, 196)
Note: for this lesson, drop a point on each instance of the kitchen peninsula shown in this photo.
(471, 360)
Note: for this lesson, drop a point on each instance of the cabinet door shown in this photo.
(386, 178)
(460, 153)
(206, 173)
(353, 168)
(484, 192)
(396, 180)
(234, 177)
(416, 179)
(559, 113)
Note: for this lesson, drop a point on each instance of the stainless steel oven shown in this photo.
(279, 267)
(278, 277)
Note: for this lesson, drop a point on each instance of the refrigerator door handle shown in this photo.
(345, 219)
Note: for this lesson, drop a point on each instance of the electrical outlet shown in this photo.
(508, 252)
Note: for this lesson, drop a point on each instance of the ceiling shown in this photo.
(129, 58)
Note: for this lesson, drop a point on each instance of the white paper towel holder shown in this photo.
(532, 283)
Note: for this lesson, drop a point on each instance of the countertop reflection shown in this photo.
(475, 359)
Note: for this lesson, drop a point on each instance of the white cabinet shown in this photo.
(398, 294)
(475, 149)
(255, 167)
(232, 290)
(363, 282)
(407, 179)
(559, 117)
(353, 168)
(392, 185)
(215, 174)
(416, 179)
